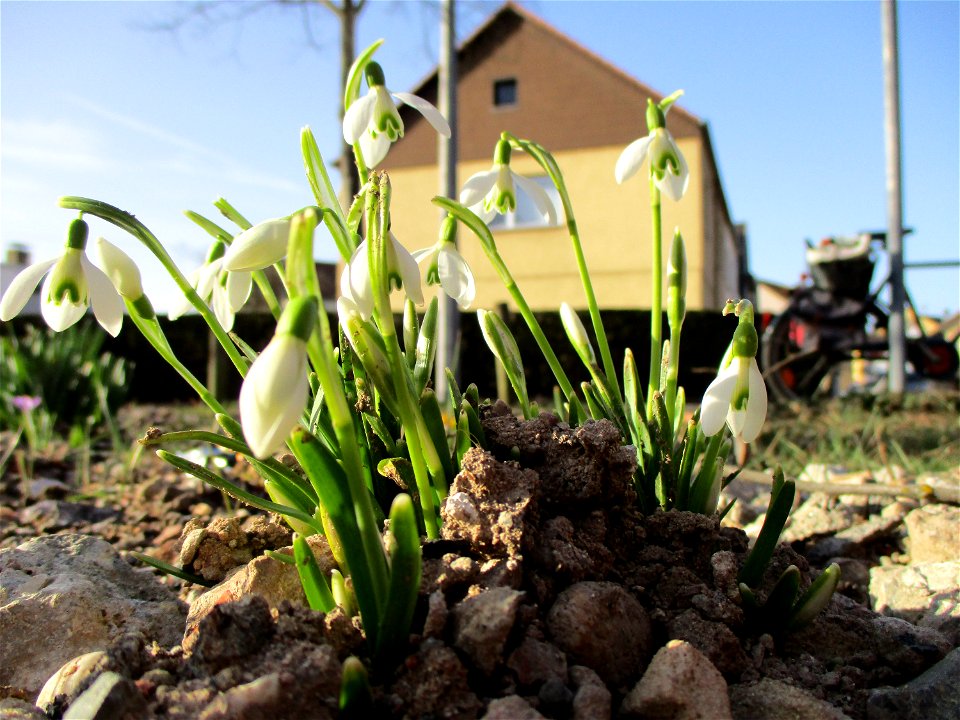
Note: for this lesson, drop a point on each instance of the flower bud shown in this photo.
(258, 247)
(577, 334)
(121, 270)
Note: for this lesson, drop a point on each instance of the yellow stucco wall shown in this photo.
(614, 223)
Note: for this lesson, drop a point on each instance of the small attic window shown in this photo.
(505, 92)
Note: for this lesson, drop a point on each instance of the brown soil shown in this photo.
(547, 584)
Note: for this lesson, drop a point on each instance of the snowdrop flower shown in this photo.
(402, 272)
(275, 390)
(492, 191)
(374, 122)
(738, 394)
(226, 292)
(73, 284)
(667, 164)
(259, 246)
(446, 266)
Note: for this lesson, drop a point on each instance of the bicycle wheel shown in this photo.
(792, 365)
(933, 357)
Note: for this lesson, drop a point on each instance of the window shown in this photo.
(505, 92)
(526, 215)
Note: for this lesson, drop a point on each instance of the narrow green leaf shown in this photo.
(815, 598)
(405, 568)
(777, 513)
(315, 585)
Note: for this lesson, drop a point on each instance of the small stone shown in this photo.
(775, 700)
(933, 534)
(512, 707)
(927, 594)
(666, 690)
(482, 624)
(110, 697)
(71, 679)
(536, 662)
(602, 626)
(592, 699)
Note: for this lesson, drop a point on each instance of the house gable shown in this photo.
(559, 85)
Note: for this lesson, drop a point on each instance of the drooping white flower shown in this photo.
(374, 122)
(738, 395)
(723, 401)
(259, 246)
(275, 390)
(668, 167)
(446, 266)
(72, 285)
(402, 272)
(492, 191)
(225, 292)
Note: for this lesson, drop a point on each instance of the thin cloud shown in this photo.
(57, 143)
(197, 157)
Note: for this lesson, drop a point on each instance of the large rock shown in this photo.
(927, 594)
(679, 684)
(934, 695)
(775, 700)
(65, 595)
(933, 534)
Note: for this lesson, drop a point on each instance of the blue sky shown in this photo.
(95, 102)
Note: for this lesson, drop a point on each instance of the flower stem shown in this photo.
(128, 222)
(480, 229)
(656, 296)
(549, 164)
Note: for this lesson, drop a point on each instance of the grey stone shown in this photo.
(76, 595)
(512, 707)
(933, 534)
(934, 695)
(665, 690)
(927, 594)
(70, 680)
(775, 700)
(482, 624)
(110, 697)
(592, 699)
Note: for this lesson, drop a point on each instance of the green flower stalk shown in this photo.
(669, 173)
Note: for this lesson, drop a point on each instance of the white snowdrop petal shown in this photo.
(357, 118)
(632, 158)
(716, 401)
(477, 186)
(104, 298)
(756, 405)
(539, 196)
(432, 115)
(22, 287)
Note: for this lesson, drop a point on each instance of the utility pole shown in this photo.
(896, 335)
(448, 318)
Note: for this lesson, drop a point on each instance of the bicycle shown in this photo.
(837, 319)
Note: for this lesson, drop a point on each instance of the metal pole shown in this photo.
(896, 373)
(448, 318)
